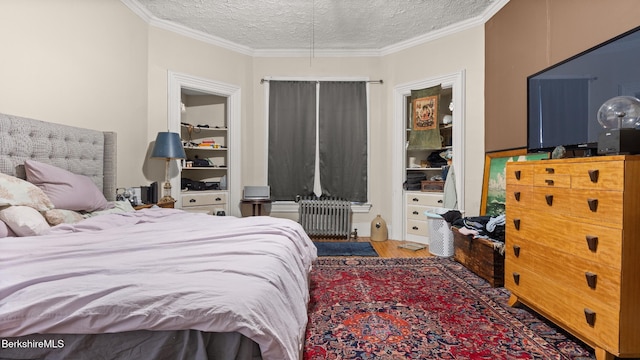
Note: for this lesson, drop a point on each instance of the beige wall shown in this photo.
(96, 64)
(172, 52)
(80, 63)
(527, 36)
(460, 51)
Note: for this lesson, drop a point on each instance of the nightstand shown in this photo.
(167, 205)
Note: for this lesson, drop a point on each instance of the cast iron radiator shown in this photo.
(325, 217)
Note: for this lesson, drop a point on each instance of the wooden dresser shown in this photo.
(573, 247)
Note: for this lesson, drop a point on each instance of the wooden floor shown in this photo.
(389, 248)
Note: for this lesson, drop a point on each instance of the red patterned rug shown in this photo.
(421, 308)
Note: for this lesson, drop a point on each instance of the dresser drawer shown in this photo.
(591, 242)
(585, 279)
(605, 175)
(205, 198)
(434, 200)
(519, 173)
(519, 196)
(562, 305)
(417, 212)
(547, 174)
(417, 227)
(600, 206)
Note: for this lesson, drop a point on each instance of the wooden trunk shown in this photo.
(479, 256)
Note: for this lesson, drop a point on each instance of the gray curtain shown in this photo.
(343, 140)
(292, 128)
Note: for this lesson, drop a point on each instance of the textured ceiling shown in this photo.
(317, 24)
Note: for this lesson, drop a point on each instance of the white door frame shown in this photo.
(177, 82)
(456, 81)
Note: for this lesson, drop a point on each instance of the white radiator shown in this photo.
(325, 217)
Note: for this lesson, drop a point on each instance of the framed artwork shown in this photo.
(425, 110)
(494, 185)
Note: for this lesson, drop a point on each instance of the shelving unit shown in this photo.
(205, 138)
(416, 201)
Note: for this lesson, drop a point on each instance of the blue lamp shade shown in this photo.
(168, 145)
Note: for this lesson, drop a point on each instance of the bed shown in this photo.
(149, 284)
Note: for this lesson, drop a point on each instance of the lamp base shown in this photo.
(619, 141)
(166, 193)
(166, 199)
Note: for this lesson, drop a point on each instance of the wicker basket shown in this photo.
(430, 185)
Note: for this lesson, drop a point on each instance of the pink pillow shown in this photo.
(65, 189)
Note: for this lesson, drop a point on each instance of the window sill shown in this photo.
(292, 207)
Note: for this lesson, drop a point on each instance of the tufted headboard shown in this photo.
(81, 151)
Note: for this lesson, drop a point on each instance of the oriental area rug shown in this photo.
(422, 308)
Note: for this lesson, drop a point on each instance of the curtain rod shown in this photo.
(262, 81)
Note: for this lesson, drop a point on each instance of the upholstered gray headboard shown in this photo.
(81, 151)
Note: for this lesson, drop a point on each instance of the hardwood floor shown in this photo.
(389, 248)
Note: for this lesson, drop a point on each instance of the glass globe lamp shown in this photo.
(620, 118)
(620, 112)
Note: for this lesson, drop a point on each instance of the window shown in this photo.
(318, 139)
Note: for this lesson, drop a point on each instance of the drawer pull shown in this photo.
(592, 242)
(415, 228)
(416, 199)
(593, 204)
(592, 279)
(516, 250)
(192, 200)
(593, 175)
(549, 170)
(218, 199)
(549, 199)
(517, 195)
(516, 223)
(440, 201)
(590, 316)
(516, 278)
(517, 173)
(549, 182)
(415, 212)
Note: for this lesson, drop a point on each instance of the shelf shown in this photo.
(425, 169)
(205, 128)
(204, 148)
(204, 168)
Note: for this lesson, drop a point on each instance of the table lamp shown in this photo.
(169, 146)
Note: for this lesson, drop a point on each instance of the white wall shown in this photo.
(80, 63)
(94, 63)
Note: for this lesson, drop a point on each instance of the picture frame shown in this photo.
(494, 180)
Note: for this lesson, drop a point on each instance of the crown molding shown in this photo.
(145, 15)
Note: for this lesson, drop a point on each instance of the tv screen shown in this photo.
(563, 100)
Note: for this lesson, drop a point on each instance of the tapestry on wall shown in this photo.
(425, 133)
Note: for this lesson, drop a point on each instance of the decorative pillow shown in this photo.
(66, 190)
(62, 216)
(15, 191)
(24, 220)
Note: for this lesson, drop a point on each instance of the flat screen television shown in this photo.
(563, 100)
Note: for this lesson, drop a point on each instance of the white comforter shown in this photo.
(161, 269)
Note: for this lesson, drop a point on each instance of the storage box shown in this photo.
(479, 256)
(429, 185)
